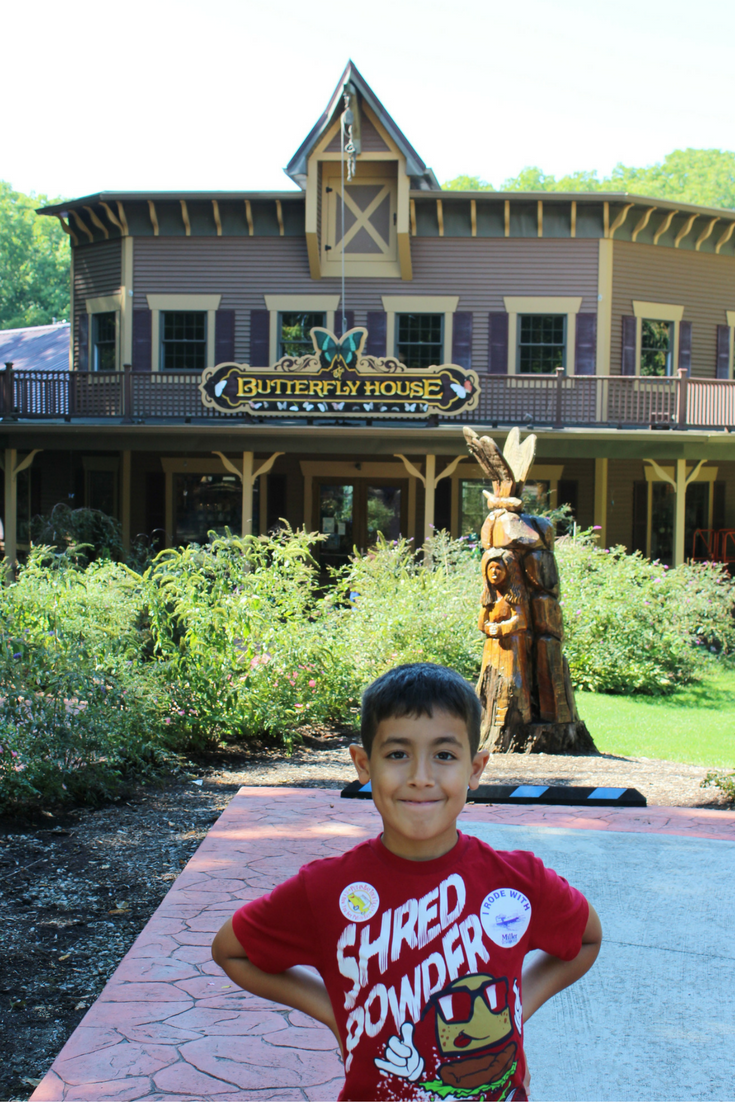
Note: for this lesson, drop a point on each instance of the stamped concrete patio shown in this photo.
(655, 1019)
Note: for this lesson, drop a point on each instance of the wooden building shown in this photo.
(603, 321)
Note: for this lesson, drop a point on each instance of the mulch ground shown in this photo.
(77, 887)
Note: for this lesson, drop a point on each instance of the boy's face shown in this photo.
(420, 768)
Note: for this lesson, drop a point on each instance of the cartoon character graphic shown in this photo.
(359, 902)
(473, 1033)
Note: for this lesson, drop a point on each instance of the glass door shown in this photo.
(353, 513)
(335, 509)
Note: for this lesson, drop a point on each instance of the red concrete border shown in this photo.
(170, 1026)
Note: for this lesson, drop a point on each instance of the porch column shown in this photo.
(125, 499)
(600, 512)
(247, 493)
(10, 518)
(430, 489)
(680, 511)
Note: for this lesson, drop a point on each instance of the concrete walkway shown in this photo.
(655, 1019)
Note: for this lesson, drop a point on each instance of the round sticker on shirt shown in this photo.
(505, 915)
(359, 901)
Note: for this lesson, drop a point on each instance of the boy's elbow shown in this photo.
(593, 930)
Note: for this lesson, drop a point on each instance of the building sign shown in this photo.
(339, 381)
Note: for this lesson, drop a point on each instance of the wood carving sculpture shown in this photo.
(524, 684)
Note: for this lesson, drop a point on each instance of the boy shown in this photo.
(419, 935)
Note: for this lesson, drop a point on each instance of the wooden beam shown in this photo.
(154, 216)
(642, 222)
(67, 229)
(724, 237)
(217, 219)
(113, 217)
(123, 219)
(664, 225)
(440, 216)
(539, 218)
(705, 234)
(506, 217)
(96, 222)
(249, 217)
(605, 219)
(574, 218)
(279, 216)
(473, 216)
(684, 230)
(413, 217)
(82, 225)
(620, 219)
(185, 217)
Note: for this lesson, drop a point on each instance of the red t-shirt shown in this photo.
(422, 961)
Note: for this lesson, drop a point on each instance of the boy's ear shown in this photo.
(361, 762)
(478, 764)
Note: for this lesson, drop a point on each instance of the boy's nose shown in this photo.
(422, 773)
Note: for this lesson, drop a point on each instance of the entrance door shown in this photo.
(352, 513)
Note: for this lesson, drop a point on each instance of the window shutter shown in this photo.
(349, 320)
(723, 351)
(685, 346)
(377, 327)
(497, 345)
(142, 343)
(83, 358)
(462, 340)
(585, 344)
(224, 336)
(260, 338)
(627, 365)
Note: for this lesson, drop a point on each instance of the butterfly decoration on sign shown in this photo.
(338, 354)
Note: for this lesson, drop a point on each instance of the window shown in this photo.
(657, 342)
(472, 506)
(184, 340)
(294, 332)
(420, 339)
(104, 342)
(541, 343)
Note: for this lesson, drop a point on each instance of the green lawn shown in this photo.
(695, 725)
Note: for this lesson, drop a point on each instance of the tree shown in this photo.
(705, 177)
(34, 262)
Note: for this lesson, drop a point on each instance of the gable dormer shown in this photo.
(372, 233)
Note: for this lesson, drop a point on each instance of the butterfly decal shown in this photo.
(338, 352)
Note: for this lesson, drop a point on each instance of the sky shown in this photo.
(156, 95)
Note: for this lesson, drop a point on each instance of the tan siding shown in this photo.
(703, 284)
(97, 272)
(480, 271)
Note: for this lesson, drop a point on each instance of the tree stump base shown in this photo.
(546, 738)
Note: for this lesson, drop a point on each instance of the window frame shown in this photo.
(419, 304)
(297, 304)
(542, 304)
(657, 311)
(104, 304)
(95, 341)
(420, 313)
(308, 349)
(162, 339)
(564, 344)
(165, 303)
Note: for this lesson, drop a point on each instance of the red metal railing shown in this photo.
(556, 400)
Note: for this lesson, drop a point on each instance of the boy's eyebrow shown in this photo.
(398, 741)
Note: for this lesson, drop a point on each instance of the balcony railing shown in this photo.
(555, 400)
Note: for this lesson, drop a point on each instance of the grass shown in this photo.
(695, 725)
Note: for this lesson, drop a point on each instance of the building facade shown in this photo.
(603, 322)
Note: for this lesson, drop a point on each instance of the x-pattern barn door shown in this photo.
(369, 220)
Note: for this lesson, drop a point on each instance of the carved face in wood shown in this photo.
(496, 572)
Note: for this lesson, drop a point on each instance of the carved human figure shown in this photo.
(504, 685)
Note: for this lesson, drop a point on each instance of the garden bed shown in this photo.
(79, 886)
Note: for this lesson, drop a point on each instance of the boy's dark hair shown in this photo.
(416, 689)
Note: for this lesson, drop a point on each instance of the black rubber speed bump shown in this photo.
(560, 795)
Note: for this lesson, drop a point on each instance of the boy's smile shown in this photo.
(420, 768)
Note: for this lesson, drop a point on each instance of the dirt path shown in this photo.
(76, 889)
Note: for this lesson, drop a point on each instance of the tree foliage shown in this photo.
(702, 176)
(34, 262)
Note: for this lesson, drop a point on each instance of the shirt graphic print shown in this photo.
(422, 961)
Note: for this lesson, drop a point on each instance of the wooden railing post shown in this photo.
(559, 381)
(9, 395)
(683, 387)
(127, 395)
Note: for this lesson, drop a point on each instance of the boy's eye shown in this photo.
(446, 755)
(397, 754)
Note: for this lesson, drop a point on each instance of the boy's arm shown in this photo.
(545, 975)
(296, 987)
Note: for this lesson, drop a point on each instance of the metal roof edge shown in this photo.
(141, 196)
(583, 196)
